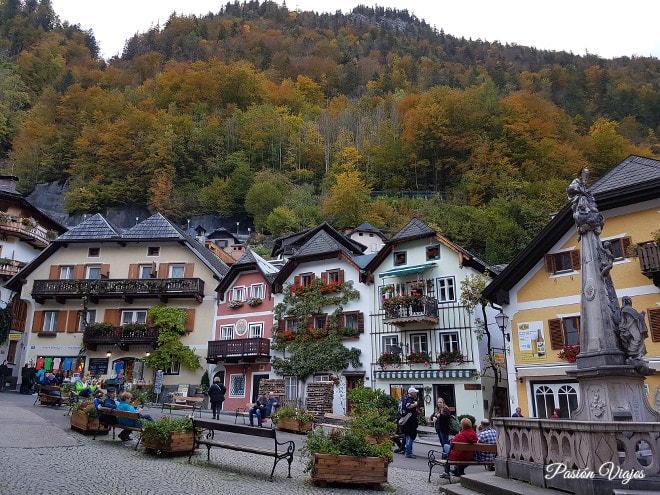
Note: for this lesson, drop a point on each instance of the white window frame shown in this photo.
(153, 251)
(177, 270)
(449, 342)
(239, 293)
(290, 388)
(291, 324)
(90, 317)
(91, 272)
(146, 271)
(390, 341)
(66, 272)
(256, 330)
(419, 342)
(226, 332)
(234, 388)
(445, 285)
(355, 317)
(321, 378)
(564, 396)
(257, 291)
(129, 316)
(50, 321)
(94, 252)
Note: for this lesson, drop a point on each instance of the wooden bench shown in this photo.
(48, 400)
(244, 412)
(183, 402)
(435, 457)
(278, 451)
(115, 414)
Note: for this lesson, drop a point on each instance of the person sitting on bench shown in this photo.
(263, 408)
(466, 435)
(125, 405)
(51, 381)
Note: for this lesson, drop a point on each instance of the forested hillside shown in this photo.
(287, 118)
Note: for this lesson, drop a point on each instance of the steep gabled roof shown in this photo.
(94, 228)
(415, 229)
(249, 262)
(290, 245)
(634, 180)
(154, 227)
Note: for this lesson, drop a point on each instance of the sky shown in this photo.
(578, 26)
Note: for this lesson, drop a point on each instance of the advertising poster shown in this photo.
(531, 342)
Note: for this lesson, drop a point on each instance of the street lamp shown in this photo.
(502, 321)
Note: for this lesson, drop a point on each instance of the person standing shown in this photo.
(4, 373)
(217, 393)
(441, 417)
(410, 405)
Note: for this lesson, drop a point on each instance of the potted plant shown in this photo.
(254, 301)
(418, 357)
(569, 353)
(387, 291)
(374, 412)
(389, 358)
(446, 358)
(348, 332)
(234, 303)
(292, 419)
(84, 418)
(168, 435)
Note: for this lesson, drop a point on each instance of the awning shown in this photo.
(406, 270)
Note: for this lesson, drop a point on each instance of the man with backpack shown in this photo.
(408, 412)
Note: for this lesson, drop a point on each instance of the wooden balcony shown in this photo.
(33, 234)
(412, 310)
(126, 289)
(235, 350)
(9, 268)
(102, 334)
(649, 260)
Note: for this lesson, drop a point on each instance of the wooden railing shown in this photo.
(35, 235)
(101, 334)
(9, 268)
(127, 289)
(649, 260)
(412, 309)
(235, 350)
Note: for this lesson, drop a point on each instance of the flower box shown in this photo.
(178, 441)
(84, 424)
(348, 469)
(291, 424)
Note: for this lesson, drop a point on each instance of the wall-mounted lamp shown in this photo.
(502, 321)
(148, 354)
(108, 354)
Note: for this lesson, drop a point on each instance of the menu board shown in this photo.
(98, 366)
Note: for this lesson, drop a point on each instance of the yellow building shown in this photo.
(540, 289)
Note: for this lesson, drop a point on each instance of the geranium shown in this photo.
(330, 287)
(569, 353)
(297, 290)
(448, 357)
(235, 303)
(389, 358)
(418, 357)
(87, 407)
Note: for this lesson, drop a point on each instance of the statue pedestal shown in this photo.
(612, 393)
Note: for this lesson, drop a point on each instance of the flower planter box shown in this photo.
(84, 424)
(178, 442)
(348, 469)
(294, 425)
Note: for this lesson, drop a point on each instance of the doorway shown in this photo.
(255, 385)
(352, 381)
(448, 393)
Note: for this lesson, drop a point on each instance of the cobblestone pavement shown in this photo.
(42, 455)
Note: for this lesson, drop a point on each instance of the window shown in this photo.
(290, 388)
(93, 272)
(449, 342)
(548, 396)
(236, 385)
(146, 271)
(238, 294)
(446, 289)
(433, 252)
(419, 343)
(226, 332)
(66, 273)
(335, 276)
(321, 378)
(50, 321)
(566, 261)
(320, 321)
(619, 247)
(291, 324)
(400, 258)
(564, 331)
(174, 369)
(177, 271)
(391, 343)
(153, 251)
(11, 351)
(306, 279)
(87, 320)
(134, 316)
(352, 320)
(94, 252)
(257, 291)
(256, 330)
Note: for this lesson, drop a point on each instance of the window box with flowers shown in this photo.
(349, 332)
(292, 419)
(387, 291)
(446, 358)
(389, 359)
(134, 329)
(391, 305)
(101, 329)
(254, 301)
(418, 357)
(569, 353)
(84, 418)
(234, 303)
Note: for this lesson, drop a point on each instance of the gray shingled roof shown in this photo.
(412, 230)
(366, 227)
(154, 227)
(94, 228)
(321, 243)
(630, 172)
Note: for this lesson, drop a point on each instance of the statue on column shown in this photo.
(585, 212)
(632, 333)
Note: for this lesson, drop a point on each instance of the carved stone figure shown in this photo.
(585, 213)
(632, 333)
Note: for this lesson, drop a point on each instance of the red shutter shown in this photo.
(54, 272)
(133, 270)
(296, 280)
(188, 270)
(19, 310)
(190, 320)
(549, 263)
(38, 321)
(654, 322)
(324, 278)
(575, 259)
(341, 276)
(361, 322)
(556, 334)
(61, 321)
(280, 325)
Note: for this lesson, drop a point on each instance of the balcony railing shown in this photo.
(649, 260)
(235, 350)
(102, 334)
(126, 289)
(9, 268)
(400, 310)
(31, 233)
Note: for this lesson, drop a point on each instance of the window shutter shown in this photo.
(112, 316)
(361, 322)
(163, 270)
(654, 321)
(341, 276)
(19, 310)
(54, 272)
(556, 334)
(38, 321)
(61, 321)
(324, 278)
(188, 270)
(133, 270)
(105, 270)
(296, 280)
(190, 320)
(625, 244)
(79, 272)
(72, 321)
(549, 263)
(153, 270)
(280, 325)
(575, 259)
